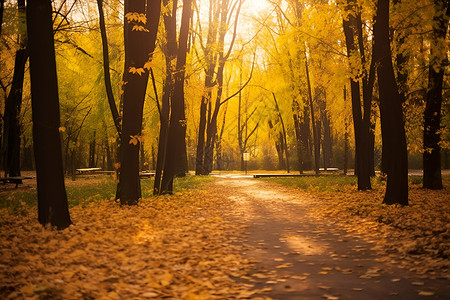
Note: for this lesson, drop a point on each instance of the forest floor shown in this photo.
(233, 238)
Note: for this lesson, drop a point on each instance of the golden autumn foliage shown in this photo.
(165, 247)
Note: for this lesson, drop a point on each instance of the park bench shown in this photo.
(14, 179)
(87, 170)
(329, 170)
(146, 174)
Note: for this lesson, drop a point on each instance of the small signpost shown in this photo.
(246, 158)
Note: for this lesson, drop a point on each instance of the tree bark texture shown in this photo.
(106, 72)
(360, 122)
(432, 178)
(392, 123)
(175, 162)
(139, 47)
(170, 51)
(10, 148)
(311, 107)
(52, 199)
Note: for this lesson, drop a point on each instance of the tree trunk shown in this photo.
(52, 199)
(137, 54)
(92, 152)
(2, 5)
(10, 149)
(392, 124)
(283, 134)
(107, 76)
(432, 178)
(11, 130)
(360, 122)
(315, 133)
(175, 163)
(300, 152)
(170, 51)
(211, 61)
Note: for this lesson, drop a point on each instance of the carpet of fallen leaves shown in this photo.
(175, 247)
(415, 237)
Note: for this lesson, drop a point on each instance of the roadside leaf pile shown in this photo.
(417, 237)
(167, 247)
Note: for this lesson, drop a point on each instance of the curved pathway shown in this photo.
(299, 256)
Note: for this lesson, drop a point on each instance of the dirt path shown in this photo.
(299, 256)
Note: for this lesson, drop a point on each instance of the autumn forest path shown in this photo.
(301, 256)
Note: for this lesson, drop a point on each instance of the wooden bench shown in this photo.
(329, 170)
(146, 174)
(88, 170)
(14, 179)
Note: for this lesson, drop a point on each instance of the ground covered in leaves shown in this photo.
(415, 237)
(186, 246)
(172, 247)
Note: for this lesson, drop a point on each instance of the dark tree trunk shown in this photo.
(283, 134)
(52, 199)
(11, 130)
(279, 146)
(432, 178)
(92, 152)
(175, 163)
(311, 107)
(361, 122)
(298, 138)
(305, 133)
(2, 5)
(219, 141)
(107, 76)
(170, 51)
(10, 149)
(211, 60)
(137, 54)
(392, 124)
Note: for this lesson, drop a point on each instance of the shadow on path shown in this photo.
(299, 256)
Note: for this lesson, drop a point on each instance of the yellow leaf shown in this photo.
(132, 70)
(148, 65)
(140, 71)
(62, 129)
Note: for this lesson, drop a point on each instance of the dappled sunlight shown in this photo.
(304, 245)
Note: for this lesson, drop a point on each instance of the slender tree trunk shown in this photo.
(284, 135)
(2, 5)
(360, 122)
(10, 148)
(92, 149)
(170, 50)
(175, 163)
(392, 124)
(52, 199)
(305, 133)
(315, 133)
(345, 136)
(211, 61)
(300, 152)
(432, 178)
(107, 75)
(137, 54)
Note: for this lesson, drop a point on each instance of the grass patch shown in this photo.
(329, 183)
(337, 183)
(86, 192)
